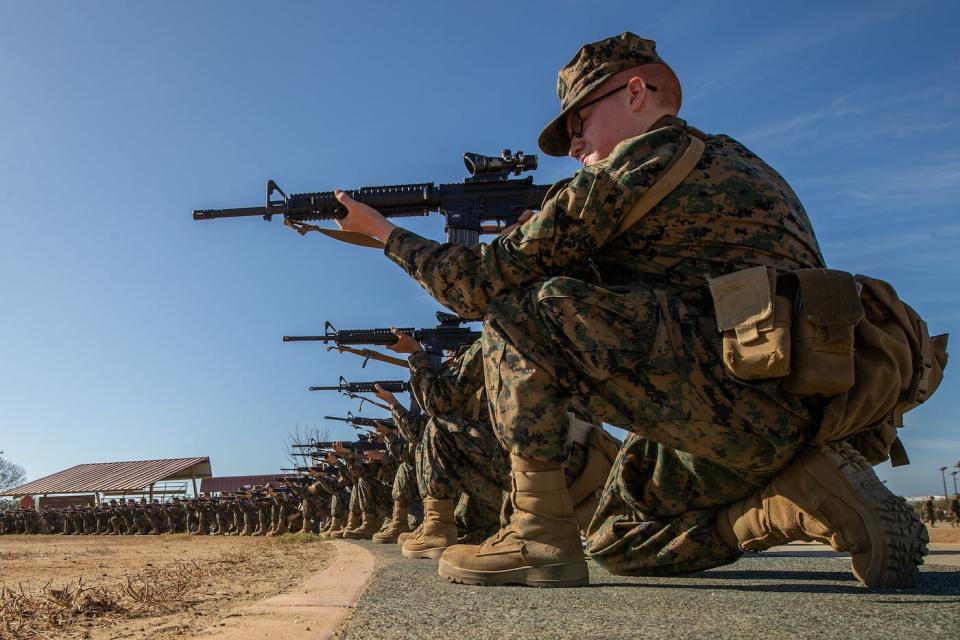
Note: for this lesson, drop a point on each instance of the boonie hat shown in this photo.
(594, 64)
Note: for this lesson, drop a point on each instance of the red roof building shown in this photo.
(116, 477)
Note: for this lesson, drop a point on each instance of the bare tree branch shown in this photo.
(303, 435)
(11, 474)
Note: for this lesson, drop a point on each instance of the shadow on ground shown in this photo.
(788, 595)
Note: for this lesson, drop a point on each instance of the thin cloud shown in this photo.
(743, 62)
(839, 108)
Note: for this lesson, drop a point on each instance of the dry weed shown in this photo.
(71, 609)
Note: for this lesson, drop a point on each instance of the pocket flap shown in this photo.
(742, 300)
(830, 298)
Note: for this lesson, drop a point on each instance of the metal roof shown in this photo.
(115, 476)
(236, 483)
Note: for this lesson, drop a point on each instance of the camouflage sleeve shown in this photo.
(452, 389)
(573, 224)
(345, 471)
(318, 488)
(408, 422)
(395, 446)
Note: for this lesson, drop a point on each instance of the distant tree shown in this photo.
(11, 475)
(303, 435)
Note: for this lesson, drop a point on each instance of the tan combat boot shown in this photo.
(830, 494)
(437, 532)
(335, 530)
(399, 523)
(369, 525)
(403, 537)
(540, 547)
(354, 520)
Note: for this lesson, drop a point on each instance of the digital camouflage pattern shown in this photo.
(456, 389)
(593, 65)
(410, 424)
(464, 456)
(459, 453)
(370, 493)
(625, 324)
(406, 491)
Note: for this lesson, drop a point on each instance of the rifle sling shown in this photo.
(676, 173)
(350, 237)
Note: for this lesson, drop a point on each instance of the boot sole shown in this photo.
(898, 539)
(425, 554)
(563, 574)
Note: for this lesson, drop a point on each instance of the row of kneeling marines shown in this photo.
(254, 513)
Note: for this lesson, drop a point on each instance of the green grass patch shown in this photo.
(298, 538)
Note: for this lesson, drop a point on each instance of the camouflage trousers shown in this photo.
(314, 510)
(637, 360)
(250, 517)
(340, 503)
(457, 456)
(373, 496)
(405, 489)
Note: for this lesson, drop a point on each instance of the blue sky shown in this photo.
(128, 331)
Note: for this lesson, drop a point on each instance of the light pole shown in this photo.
(943, 476)
(954, 474)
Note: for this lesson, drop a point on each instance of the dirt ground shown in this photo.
(163, 587)
(943, 533)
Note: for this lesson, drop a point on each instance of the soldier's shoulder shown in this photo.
(635, 162)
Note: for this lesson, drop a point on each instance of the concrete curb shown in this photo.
(313, 610)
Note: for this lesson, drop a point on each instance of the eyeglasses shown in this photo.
(576, 120)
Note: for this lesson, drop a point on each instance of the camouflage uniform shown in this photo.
(625, 323)
(340, 503)
(373, 494)
(333, 493)
(410, 425)
(406, 484)
(459, 452)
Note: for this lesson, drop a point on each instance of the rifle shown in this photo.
(359, 446)
(394, 386)
(326, 468)
(359, 421)
(448, 336)
(487, 196)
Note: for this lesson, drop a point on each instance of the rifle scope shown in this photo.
(502, 166)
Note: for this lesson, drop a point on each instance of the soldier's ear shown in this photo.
(638, 92)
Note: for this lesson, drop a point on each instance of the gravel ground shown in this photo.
(802, 594)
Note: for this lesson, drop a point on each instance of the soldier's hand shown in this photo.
(526, 215)
(374, 456)
(362, 218)
(330, 458)
(339, 448)
(404, 343)
(386, 396)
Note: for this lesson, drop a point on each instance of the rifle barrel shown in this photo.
(239, 212)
